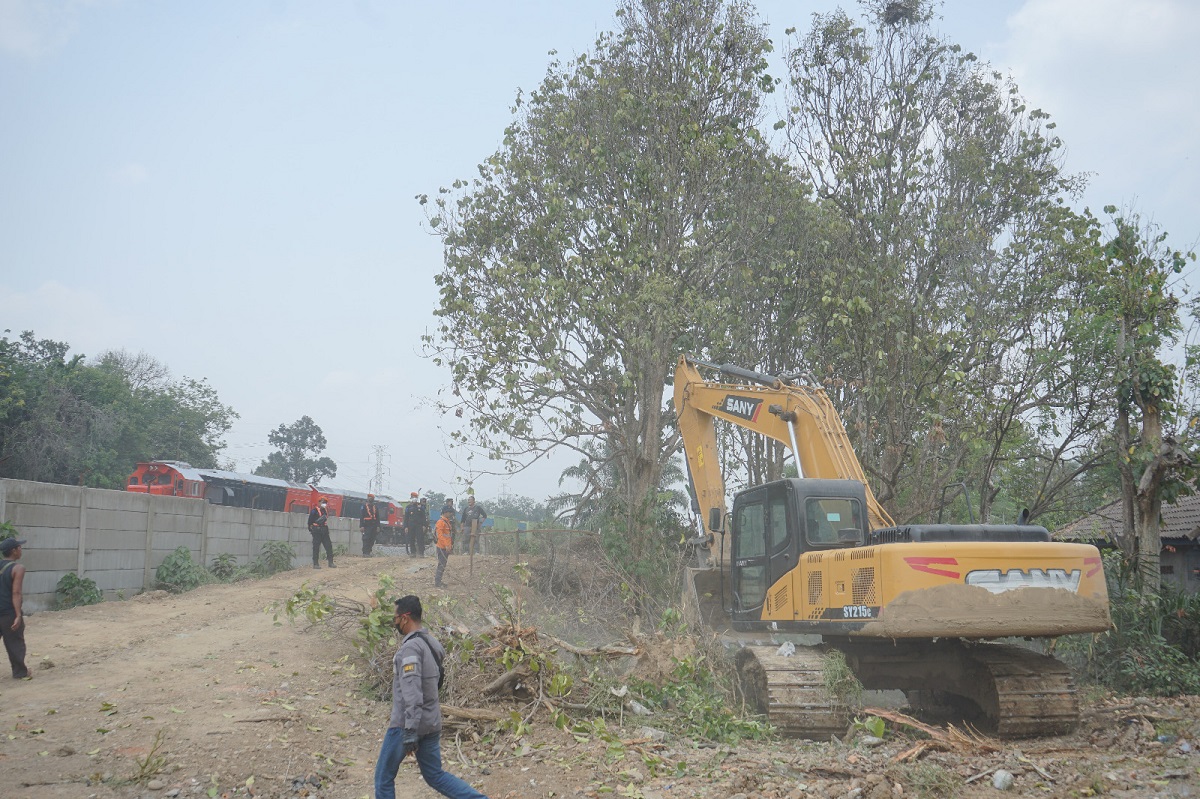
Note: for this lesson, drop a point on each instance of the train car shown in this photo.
(220, 487)
(166, 478)
(238, 490)
(301, 499)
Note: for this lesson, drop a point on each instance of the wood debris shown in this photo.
(951, 739)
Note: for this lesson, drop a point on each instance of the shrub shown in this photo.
(224, 566)
(73, 591)
(179, 573)
(1146, 651)
(274, 557)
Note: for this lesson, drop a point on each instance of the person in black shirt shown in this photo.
(415, 522)
(12, 620)
(471, 514)
(318, 528)
(369, 524)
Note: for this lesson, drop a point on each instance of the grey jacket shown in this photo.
(415, 686)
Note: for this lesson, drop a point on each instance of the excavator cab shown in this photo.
(772, 525)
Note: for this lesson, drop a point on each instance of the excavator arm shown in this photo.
(799, 416)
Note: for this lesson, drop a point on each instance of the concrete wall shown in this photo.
(118, 539)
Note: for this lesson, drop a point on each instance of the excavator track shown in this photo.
(1013, 692)
(791, 691)
(1034, 694)
(1005, 690)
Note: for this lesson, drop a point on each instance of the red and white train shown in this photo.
(237, 490)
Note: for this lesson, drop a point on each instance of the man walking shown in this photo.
(445, 540)
(12, 620)
(369, 524)
(318, 528)
(416, 722)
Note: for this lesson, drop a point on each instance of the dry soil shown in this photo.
(203, 694)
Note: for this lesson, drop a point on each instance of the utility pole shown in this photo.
(379, 450)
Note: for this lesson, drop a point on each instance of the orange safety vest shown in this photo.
(443, 534)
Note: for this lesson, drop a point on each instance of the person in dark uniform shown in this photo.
(471, 514)
(12, 619)
(414, 526)
(415, 725)
(425, 528)
(369, 524)
(318, 528)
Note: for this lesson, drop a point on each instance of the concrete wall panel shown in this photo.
(114, 533)
(51, 538)
(116, 539)
(26, 514)
(112, 559)
(102, 499)
(171, 541)
(45, 494)
(104, 519)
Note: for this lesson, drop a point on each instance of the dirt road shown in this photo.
(202, 694)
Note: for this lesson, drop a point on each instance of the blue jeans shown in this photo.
(429, 760)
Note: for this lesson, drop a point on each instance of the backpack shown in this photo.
(428, 639)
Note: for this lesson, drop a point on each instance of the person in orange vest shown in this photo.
(369, 524)
(445, 540)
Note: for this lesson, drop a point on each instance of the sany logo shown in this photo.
(998, 581)
(741, 407)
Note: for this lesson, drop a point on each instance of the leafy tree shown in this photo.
(517, 507)
(292, 460)
(173, 419)
(942, 247)
(1133, 313)
(588, 251)
(65, 420)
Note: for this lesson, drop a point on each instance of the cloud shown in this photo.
(1117, 58)
(1119, 76)
(34, 28)
(130, 175)
(1124, 28)
(78, 317)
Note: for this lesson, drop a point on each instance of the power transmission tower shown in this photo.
(380, 451)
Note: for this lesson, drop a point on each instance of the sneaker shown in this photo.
(316, 565)
(331, 565)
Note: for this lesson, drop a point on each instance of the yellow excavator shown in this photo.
(913, 607)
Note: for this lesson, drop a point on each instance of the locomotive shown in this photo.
(238, 490)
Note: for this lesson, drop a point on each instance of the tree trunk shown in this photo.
(641, 449)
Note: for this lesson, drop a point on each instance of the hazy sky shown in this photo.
(229, 185)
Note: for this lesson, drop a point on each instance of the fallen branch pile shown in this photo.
(950, 739)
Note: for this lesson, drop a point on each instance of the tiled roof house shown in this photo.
(1179, 532)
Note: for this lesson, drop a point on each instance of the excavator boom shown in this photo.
(799, 416)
